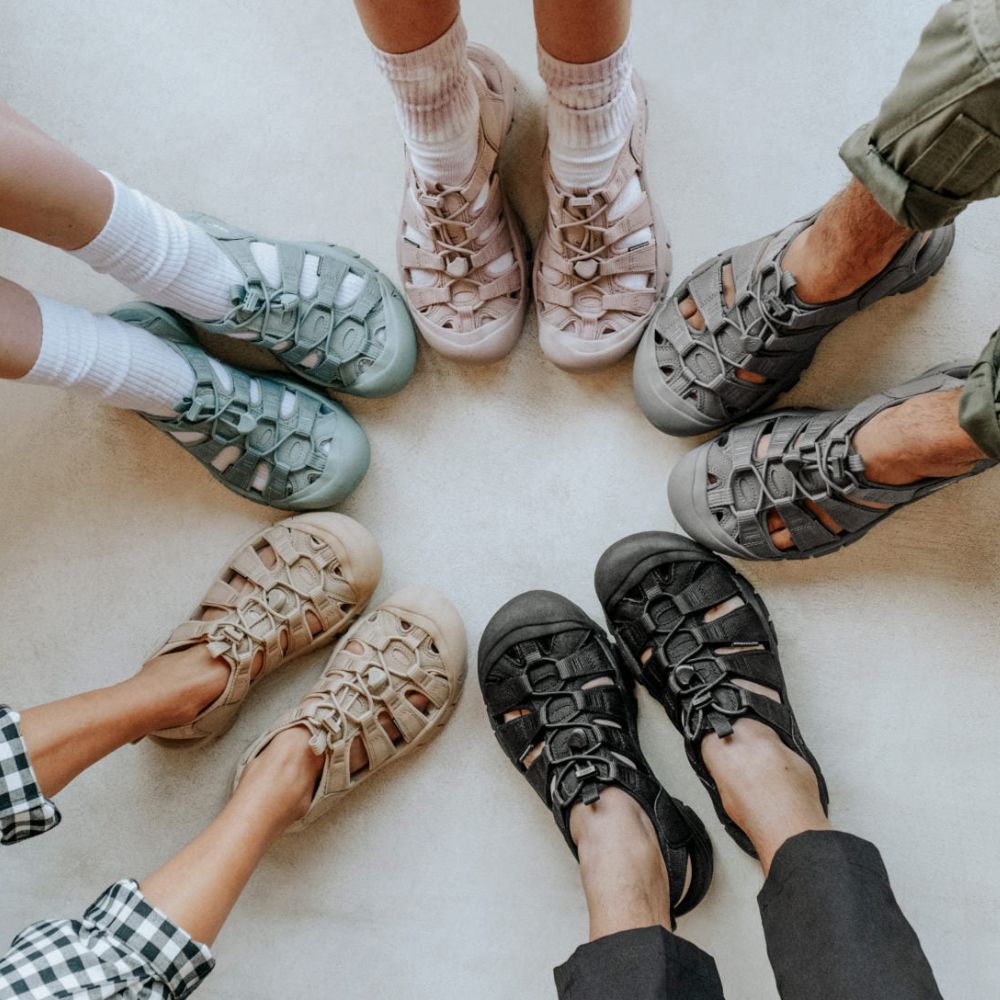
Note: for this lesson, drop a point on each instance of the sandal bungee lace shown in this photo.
(655, 588)
(309, 456)
(366, 347)
(687, 380)
(536, 657)
(721, 492)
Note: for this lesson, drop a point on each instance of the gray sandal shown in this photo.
(366, 348)
(721, 492)
(686, 381)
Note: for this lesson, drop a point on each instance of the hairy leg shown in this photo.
(851, 241)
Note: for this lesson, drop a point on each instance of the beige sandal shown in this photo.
(603, 260)
(462, 251)
(413, 643)
(326, 565)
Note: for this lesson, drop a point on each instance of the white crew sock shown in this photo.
(172, 262)
(101, 358)
(591, 110)
(437, 106)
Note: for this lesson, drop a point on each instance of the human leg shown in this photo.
(701, 641)
(631, 952)
(460, 245)
(321, 309)
(604, 255)
(741, 329)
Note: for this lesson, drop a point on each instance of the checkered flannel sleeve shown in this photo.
(24, 811)
(122, 948)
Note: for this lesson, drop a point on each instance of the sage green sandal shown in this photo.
(271, 440)
(366, 347)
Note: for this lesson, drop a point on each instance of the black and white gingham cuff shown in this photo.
(24, 811)
(171, 953)
(123, 946)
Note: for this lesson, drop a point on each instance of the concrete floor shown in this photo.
(445, 878)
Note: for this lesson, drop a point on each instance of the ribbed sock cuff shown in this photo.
(589, 104)
(436, 99)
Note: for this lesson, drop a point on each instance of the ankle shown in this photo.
(768, 791)
(613, 815)
(177, 687)
(851, 241)
(621, 866)
(284, 776)
(919, 439)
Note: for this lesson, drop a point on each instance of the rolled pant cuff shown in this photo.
(122, 947)
(833, 927)
(799, 857)
(979, 412)
(172, 956)
(648, 963)
(24, 811)
(909, 204)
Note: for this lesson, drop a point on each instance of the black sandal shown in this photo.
(537, 653)
(655, 588)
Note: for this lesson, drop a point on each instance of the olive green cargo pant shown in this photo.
(935, 148)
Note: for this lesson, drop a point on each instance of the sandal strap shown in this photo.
(252, 421)
(698, 685)
(317, 339)
(589, 743)
(767, 329)
(811, 457)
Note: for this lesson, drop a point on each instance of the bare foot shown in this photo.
(851, 241)
(289, 770)
(767, 790)
(918, 439)
(192, 679)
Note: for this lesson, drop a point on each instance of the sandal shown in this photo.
(587, 317)
(462, 250)
(655, 588)
(412, 644)
(721, 492)
(537, 656)
(687, 380)
(365, 347)
(324, 568)
(309, 456)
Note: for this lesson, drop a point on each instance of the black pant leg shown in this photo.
(645, 964)
(833, 927)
